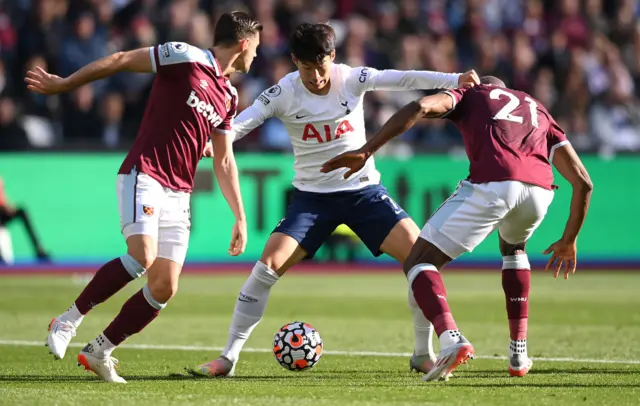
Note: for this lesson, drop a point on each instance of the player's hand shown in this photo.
(469, 79)
(354, 160)
(238, 238)
(562, 252)
(42, 82)
(208, 150)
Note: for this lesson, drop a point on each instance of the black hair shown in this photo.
(312, 42)
(233, 27)
(492, 80)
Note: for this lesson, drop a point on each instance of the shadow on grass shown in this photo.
(472, 373)
(543, 385)
(49, 379)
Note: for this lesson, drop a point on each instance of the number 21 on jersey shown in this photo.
(506, 112)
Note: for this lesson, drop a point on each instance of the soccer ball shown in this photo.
(297, 346)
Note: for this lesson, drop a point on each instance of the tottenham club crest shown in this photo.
(148, 210)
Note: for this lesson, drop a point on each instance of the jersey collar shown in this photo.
(215, 63)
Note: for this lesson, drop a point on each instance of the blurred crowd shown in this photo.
(580, 58)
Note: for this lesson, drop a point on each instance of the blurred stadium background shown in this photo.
(59, 155)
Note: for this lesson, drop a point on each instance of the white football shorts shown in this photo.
(146, 207)
(474, 211)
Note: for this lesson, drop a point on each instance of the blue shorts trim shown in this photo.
(312, 217)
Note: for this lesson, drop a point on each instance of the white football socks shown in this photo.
(518, 347)
(449, 338)
(72, 316)
(102, 347)
(422, 328)
(251, 304)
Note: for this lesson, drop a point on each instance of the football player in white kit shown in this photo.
(321, 106)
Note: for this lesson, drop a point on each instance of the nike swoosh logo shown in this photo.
(245, 300)
(299, 116)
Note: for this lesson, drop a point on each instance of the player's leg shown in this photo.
(145, 305)
(307, 223)
(136, 313)
(516, 283)
(137, 196)
(384, 227)
(515, 230)
(429, 292)
(458, 226)
(280, 253)
(398, 245)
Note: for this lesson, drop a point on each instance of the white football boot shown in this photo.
(218, 368)
(424, 364)
(60, 335)
(519, 361)
(105, 368)
(449, 359)
(519, 365)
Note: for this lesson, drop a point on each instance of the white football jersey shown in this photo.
(322, 127)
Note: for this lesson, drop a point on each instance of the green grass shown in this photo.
(591, 316)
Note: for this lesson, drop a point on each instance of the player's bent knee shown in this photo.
(424, 252)
(508, 249)
(400, 240)
(143, 249)
(281, 252)
(163, 290)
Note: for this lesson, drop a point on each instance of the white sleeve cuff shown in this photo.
(553, 149)
(154, 68)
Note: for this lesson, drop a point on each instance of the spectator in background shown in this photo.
(13, 137)
(8, 213)
(555, 49)
(41, 33)
(81, 122)
(7, 34)
(4, 78)
(83, 45)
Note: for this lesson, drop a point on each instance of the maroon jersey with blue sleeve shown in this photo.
(508, 135)
(190, 99)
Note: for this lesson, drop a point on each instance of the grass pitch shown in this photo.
(577, 328)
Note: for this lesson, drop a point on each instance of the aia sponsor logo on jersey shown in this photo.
(148, 210)
(310, 132)
(204, 108)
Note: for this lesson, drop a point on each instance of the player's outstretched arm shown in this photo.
(430, 106)
(226, 170)
(369, 79)
(570, 166)
(43, 82)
